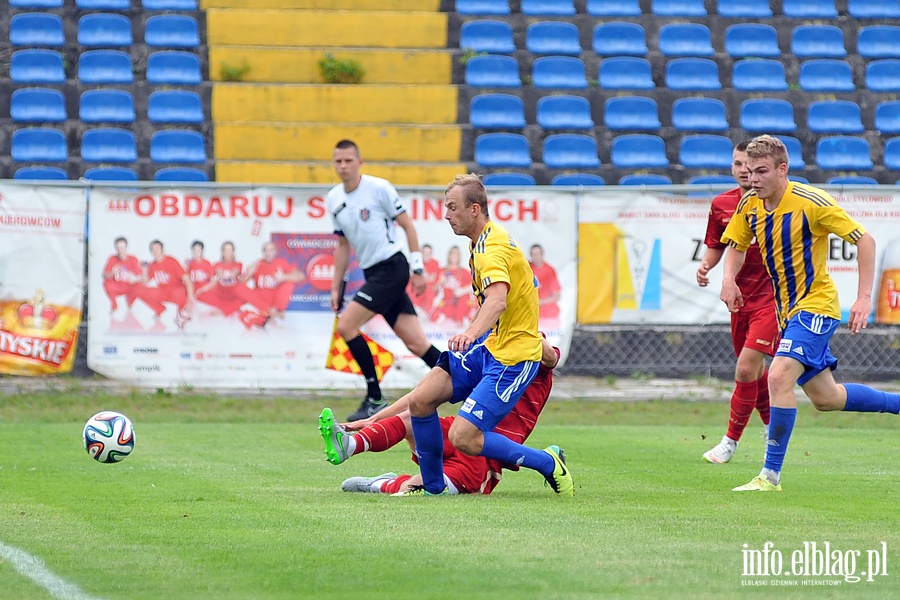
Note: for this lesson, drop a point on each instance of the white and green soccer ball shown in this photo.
(108, 436)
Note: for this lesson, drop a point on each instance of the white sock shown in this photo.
(351, 445)
(378, 484)
(774, 477)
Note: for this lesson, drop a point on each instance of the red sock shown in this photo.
(392, 486)
(743, 402)
(381, 435)
(762, 397)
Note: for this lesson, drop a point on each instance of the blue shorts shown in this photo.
(488, 389)
(805, 339)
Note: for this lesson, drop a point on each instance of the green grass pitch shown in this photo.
(232, 498)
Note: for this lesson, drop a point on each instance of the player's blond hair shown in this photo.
(473, 191)
(767, 146)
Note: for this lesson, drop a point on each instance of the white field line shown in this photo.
(34, 569)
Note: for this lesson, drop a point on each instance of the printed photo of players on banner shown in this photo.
(230, 287)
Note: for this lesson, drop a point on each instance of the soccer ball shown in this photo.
(108, 436)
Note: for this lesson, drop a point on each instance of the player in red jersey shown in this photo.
(273, 280)
(548, 284)
(221, 290)
(431, 271)
(754, 329)
(121, 273)
(199, 269)
(166, 281)
(463, 474)
(455, 300)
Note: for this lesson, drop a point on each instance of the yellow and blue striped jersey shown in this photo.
(793, 241)
(495, 257)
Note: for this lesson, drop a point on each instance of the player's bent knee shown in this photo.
(466, 438)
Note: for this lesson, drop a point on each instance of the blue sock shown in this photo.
(862, 398)
(430, 450)
(505, 450)
(780, 427)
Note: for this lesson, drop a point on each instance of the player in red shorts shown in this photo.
(165, 281)
(548, 284)
(754, 329)
(221, 291)
(463, 474)
(273, 280)
(121, 273)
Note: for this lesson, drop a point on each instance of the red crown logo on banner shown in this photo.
(37, 315)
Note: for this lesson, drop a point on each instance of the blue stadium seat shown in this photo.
(174, 106)
(834, 116)
(892, 154)
(631, 112)
(585, 179)
(172, 31)
(626, 73)
(818, 41)
(36, 3)
(795, 152)
(798, 179)
(699, 114)
(874, 9)
(826, 75)
(614, 8)
(552, 37)
(712, 180)
(758, 76)
(564, 112)
(745, 9)
(36, 29)
(752, 39)
(883, 75)
(620, 39)
(175, 68)
(705, 152)
(39, 144)
(105, 66)
(768, 115)
(852, 180)
(487, 35)
(37, 66)
(809, 9)
(645, 179)
(887, 116)
(685, 39)
(106, 106)
(177, 146)
(108, 144)
(103, 4)
(548, 8)
(638, 151)
(104, 30)
(678, 8)
(502, 150)
(181, 174)
(493, 71)
(497, 111)
(170, 5)
(482, 7)
(41, 174)
(879, 41)
(692, 75)
(843, 153)
(561, 72)
(37, 105)
(570, 151)
(512, 179)
(111, 174)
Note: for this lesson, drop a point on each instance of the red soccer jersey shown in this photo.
(548, 284)
(228, 272)
(166, 273)
(200, 271)
(127, 269)
(431, 273)
(753, 279)
(264, 277)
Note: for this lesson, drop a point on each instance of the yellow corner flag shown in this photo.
(340, 359)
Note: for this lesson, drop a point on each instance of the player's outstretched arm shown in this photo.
(731, 294)
(489, 313)
(399, 407)
(862, 307)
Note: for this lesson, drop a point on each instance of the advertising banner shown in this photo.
(261, 274)
(41, 277)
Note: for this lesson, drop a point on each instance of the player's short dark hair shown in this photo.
(473, 191)
(197, 243)
(742, 146)
(120, 239)
(157, 242)
(227, 243)
(538, 246)
(345, 143)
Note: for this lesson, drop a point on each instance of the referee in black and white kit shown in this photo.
(364, 210)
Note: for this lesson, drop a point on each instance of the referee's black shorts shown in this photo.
(384, 291)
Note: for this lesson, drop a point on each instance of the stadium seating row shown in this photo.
(170, 67)
(41, 105)
(591, 179)
(108, 4)
(107, 145)
(506, 111)
(646, 151)
(103, 30)
(679, 39)
(740, 9)
(686, 74)
(111, 174)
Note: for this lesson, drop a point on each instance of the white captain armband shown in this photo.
(416, 263)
